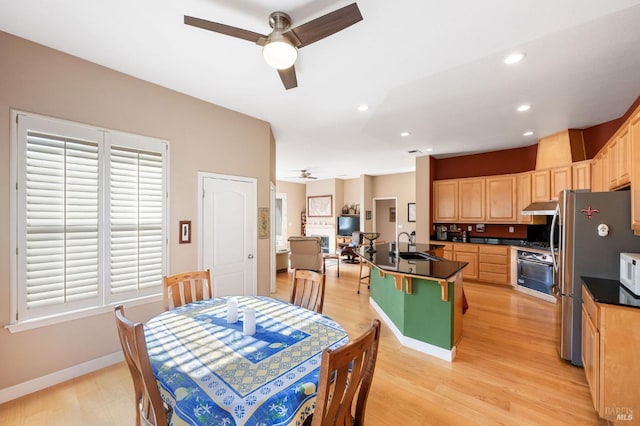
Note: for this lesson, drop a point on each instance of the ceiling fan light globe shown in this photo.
(280, 54)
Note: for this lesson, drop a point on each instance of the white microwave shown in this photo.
(630, 271)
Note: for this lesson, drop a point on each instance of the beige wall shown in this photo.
(203, 137)
(351, 193)
(403, 187)
(423, 199)
(296, 203)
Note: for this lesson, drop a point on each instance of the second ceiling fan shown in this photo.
(280, 47)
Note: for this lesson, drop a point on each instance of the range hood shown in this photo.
(540, 208)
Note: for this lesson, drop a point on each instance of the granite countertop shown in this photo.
(385, 259)
(611, 292)
(499, 241)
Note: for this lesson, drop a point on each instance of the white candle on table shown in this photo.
(249, 326)
(232, 310)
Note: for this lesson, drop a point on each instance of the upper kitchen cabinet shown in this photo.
(471, 200)
(560, 180)
(523, 196)
(501, 199)
(634, 138)
(581, 175)
(445, 200)
(546, 184)
(596, 174)
(540, 186)
(619, 154)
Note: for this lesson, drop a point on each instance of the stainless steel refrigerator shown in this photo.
(589, 229)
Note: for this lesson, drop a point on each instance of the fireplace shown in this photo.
(326, 232)
(324, 242)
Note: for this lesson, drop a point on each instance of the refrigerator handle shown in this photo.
(554, 252)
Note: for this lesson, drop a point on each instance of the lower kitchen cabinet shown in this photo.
(465, 252)
(494, 262)
(448, 251)
(610, 347)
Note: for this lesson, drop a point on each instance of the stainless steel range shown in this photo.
(535, 273)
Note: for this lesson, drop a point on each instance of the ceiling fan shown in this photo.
(280, 47)
(305, 174)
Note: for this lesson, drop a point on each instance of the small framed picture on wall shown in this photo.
(185, 232)
(411, 212)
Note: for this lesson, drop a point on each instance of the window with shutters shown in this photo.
(91, 207)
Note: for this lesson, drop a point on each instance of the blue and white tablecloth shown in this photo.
(211, 374)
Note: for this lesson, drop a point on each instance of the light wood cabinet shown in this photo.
(560, 181)
(596, 174)
(467, 253)
(523, 196)
(447, 251)
(471, 200)
(612, 160)
(610, 344)
(540, 185)
(493, 264)
(445, 200)
(619, 156)
(581, 172)
(501, 199)
(634, 138)
(624, 157)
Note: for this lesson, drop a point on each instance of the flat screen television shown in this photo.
(348, 224)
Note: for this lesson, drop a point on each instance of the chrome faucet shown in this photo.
(398, 240)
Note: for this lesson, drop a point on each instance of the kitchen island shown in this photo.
(418, 295)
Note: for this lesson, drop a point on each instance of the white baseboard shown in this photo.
(30, 386)
(427, 348)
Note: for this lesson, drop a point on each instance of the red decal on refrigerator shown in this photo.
(589, 211)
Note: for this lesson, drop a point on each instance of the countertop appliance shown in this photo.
(441, 232)
(590, 230)
(630, 272)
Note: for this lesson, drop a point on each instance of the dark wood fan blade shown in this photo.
(288, 77)
(326, 25)
(223, 29)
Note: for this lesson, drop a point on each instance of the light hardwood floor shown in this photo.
(506, 371)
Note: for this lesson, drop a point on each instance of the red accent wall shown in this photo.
(503, 162)
(596, 136)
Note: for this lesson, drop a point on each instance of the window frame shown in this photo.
(105, 299)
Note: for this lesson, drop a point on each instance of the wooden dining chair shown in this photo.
(187, 287)
(150, 410)
(345, 375)
(307, 289)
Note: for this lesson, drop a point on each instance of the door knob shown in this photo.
(250, 256)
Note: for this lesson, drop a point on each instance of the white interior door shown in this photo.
(229, 233)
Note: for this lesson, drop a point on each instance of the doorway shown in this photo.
(385, 218)
(228, 233)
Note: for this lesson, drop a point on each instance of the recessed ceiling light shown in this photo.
(514, 58)
(529, 133)
(523, 108)
(363, 107)
(429, 149)
(404, 134)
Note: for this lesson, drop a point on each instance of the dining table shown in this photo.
(210, 372)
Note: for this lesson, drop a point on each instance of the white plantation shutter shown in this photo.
(91, 212)
(61, 220)
(136, 219)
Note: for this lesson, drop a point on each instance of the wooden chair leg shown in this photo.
(365, 277)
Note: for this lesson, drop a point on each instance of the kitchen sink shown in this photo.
(412, 255)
